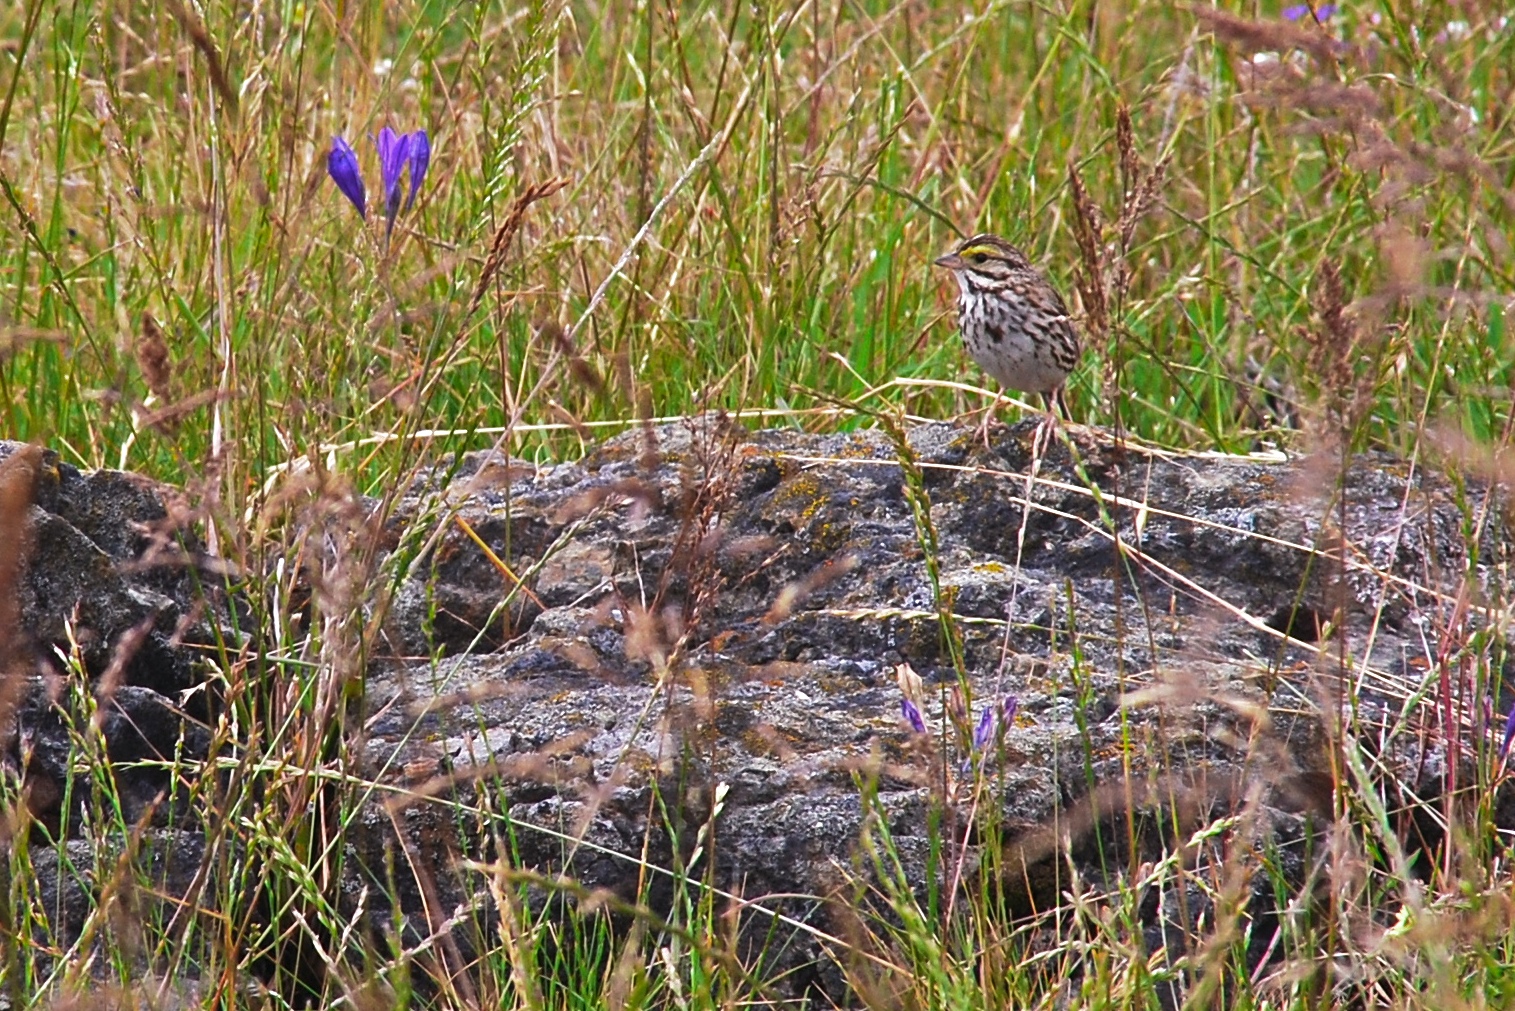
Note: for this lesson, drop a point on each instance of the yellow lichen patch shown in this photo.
(801, 498)
(828, 537)
(860, 447)
(1115, 749)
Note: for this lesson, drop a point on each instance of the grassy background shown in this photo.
(843, 143)
(1326, 252)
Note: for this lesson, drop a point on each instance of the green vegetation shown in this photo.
(1277, 232)
(833, 151)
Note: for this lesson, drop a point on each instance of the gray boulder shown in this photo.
(700, 619)
(690, 649)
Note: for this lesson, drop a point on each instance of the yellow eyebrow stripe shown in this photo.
(978, 250)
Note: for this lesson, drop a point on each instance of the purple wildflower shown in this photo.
(342, 166)
(912, 715)
(420, 158)
(991, 722)
(394, 154)
(1509, 734)
(984, 732)
(1321, 14)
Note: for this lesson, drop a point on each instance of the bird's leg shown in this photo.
(989, 413)
(1053, 403)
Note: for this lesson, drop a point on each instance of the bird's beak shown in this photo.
(951, 261)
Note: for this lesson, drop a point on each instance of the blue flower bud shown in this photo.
(420, 158)
(342, 166)
(912, 715)
(394, 154)
(984, 732)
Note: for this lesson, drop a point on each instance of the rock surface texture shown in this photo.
(693, 637)
(703, 612)
(112, 587)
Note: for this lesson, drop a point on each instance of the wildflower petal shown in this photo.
(393, 151)
(1011, 706)
(1319, 14)
(1509, 734)
(342, 166)
(985, 729)
(420, 158)
(912, 715)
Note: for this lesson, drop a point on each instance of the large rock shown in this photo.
(703, 612)
(111, 584)
(694, 637)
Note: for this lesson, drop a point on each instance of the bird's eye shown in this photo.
(978, 257)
